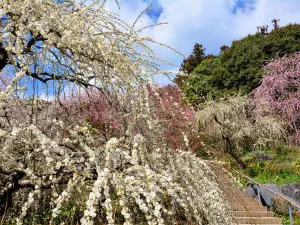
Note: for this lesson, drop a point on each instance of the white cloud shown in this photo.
(208, 22)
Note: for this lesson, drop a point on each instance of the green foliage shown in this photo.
(282, 169)
(282, 41)
(207, 78)
(286, 220)
(239, 69)
(243, 63)
(223, 48)
(189, 64)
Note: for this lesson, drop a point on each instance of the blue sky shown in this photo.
(155, 11)
(211, 23)
(242, 5)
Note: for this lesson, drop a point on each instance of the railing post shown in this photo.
(258, 193)
(290, 214)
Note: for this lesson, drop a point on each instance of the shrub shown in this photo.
(206, 79)
(177, 118)
(112, 119)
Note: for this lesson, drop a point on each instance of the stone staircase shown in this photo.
(246, 210)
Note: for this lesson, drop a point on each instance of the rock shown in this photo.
(292, 190)
(264, 157)
(268, 197)
(280, 206)
(250, 191)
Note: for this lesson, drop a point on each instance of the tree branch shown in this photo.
(3, 57)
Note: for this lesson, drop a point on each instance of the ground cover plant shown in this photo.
(279, 165)
(115, 166)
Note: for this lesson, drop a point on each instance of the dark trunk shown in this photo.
(6, 196)
(5, 201)
(230, 150)
(3, 57)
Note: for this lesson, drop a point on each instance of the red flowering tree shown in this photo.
(279, 93)
(101, 111)
(178, 117)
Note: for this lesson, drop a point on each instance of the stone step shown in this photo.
(231, 190)
(248, 208)
(245, 203)
(252, 213)
(258, 220)
(246, 199)
(245, 210)
(235, 194)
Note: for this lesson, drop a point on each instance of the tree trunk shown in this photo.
(5, 201)
(3, 57)
(6, 197)
(230, 150)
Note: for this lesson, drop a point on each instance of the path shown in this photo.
(246, 210)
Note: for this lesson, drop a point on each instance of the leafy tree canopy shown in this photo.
(239, 68)
(207, 78)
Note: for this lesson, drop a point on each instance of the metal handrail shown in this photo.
(290, 200)
(285, 197)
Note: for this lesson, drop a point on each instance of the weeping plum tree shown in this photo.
(279, 93)
(51, 161)
(233, 126)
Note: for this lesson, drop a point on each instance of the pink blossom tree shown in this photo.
(279, 93)
(102, 111)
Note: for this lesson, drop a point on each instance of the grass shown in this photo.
(278, 179)
(286, 220)
(283, 168)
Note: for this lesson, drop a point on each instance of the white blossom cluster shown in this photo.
(154, 185)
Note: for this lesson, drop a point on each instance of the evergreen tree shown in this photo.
(190, 63)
